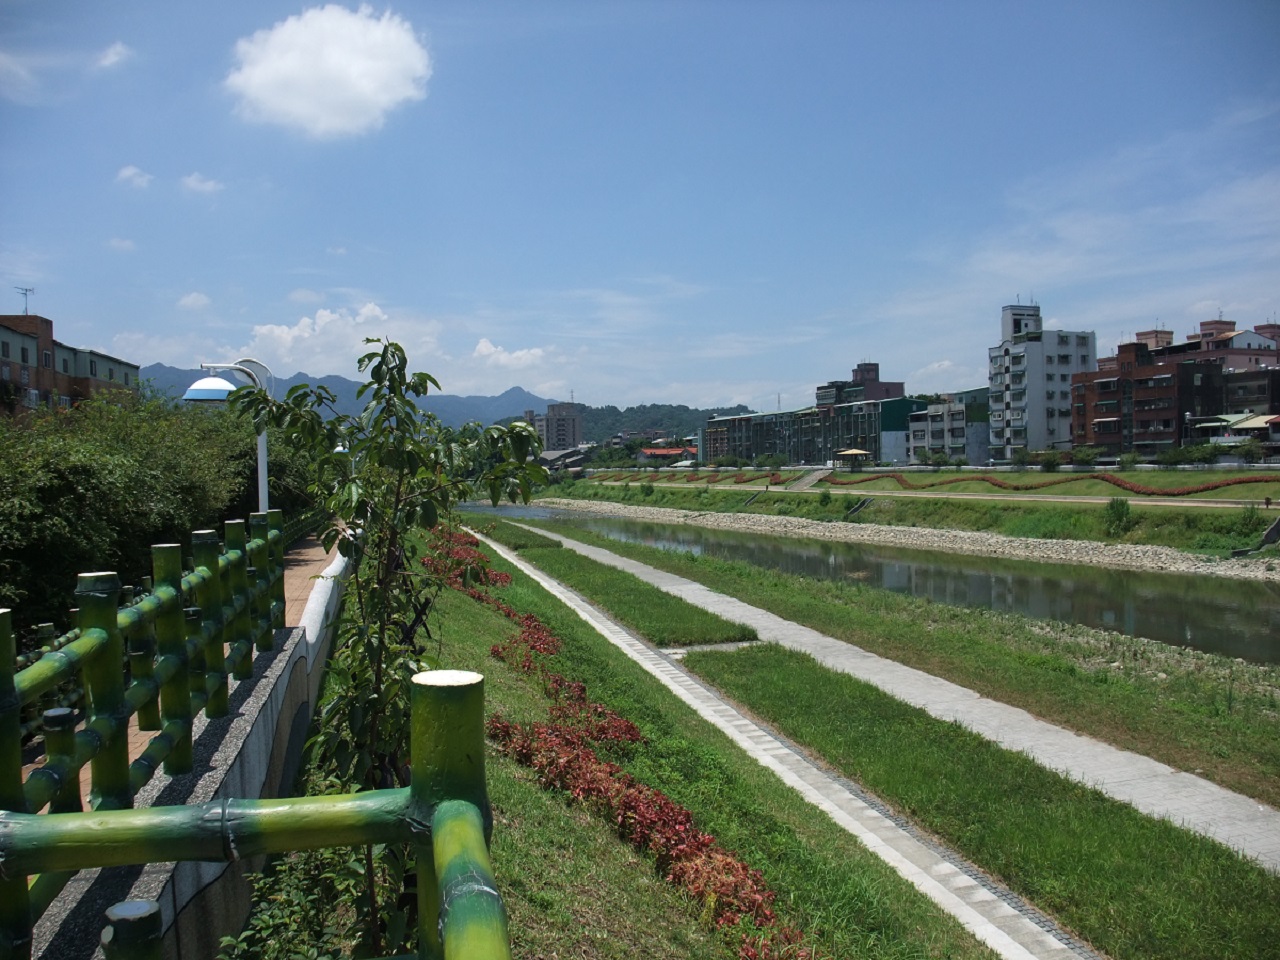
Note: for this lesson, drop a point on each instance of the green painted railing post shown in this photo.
(171, 643)
(60, 742)
(242, 633)
(447, 752)
(199, 692)
(133, 931)
(210, 599)
(98, 595)
(15, 909)
(275, 524)
(142, 660)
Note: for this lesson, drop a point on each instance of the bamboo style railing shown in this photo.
(179, 656)
(444, 814)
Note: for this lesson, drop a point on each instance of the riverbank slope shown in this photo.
(1119, 555)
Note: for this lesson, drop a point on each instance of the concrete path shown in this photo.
(1154, 788)
(993, 914)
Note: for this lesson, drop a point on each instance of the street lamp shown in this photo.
(214, 389)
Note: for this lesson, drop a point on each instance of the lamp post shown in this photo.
(214, 389)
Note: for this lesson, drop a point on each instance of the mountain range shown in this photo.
(453, 411)
(598, 423)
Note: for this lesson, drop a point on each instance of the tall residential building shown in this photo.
(1029, 375)
(560, 427)
(35, 368)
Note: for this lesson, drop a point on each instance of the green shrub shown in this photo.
(646, 489)
(1127, 462)
(1118, 518)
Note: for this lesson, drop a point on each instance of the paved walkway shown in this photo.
(1152, 787)
(993, 914)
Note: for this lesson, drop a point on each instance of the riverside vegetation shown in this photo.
(1132, 885)
(1214, 531)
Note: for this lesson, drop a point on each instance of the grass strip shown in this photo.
(828, 884)
(1213, 530)
(1133, 886)
(665, 620)
(1195, 711)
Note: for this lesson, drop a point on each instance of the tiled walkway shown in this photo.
(992, 913)
(1152, 787)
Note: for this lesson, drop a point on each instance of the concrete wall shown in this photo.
(253, 752)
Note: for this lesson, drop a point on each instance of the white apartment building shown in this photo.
(1030, 382)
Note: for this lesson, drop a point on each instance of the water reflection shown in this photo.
(1233, 617)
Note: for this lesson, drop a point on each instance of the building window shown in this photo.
(1048, 358)
(25, 376)
(46, 360)
(64, 402)
(1064, 358)
(4, 349)
(65, 367)
(93, 368)
(1082, 341)
(1084, 359)
(111, 373)
(4, 372)
(26, 355)
(126, 378)
(31, 398)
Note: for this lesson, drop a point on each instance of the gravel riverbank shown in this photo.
(1121, 556)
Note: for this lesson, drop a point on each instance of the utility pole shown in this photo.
(26, 292)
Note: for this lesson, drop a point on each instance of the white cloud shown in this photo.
(303, 295)
(509, 359)
(197, 183)
(113, 56)
(120, 245)
(18, 79)
(329, 72)
(134, 176)
(331, 341)
(194, 301)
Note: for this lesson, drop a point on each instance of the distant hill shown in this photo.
(453, 411)
(674, 420)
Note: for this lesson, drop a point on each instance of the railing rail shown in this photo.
(444, 814)
(174, 651)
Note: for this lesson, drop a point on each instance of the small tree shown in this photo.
(1085, 456)
(1021, 458)
(387, 477)
(1250, 451)
(1049, 460)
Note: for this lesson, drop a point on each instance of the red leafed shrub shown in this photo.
(561, 754)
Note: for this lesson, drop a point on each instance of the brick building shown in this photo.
(37, 370)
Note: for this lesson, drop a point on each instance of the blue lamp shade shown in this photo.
(210, 389)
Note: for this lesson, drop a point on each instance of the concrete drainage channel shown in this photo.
(995, 915)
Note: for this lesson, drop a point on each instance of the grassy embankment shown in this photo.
(1136, 887)
(570, 886)
(1215, 531)
(1195, 711)
(572, 890)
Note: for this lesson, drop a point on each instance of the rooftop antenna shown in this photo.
(26, 292)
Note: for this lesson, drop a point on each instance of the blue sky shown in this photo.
(686, 202)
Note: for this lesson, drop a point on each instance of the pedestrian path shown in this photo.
(993, 914)
(1152, 787)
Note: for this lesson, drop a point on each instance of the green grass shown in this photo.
(665, 620)
(1133, 886)
(1194, 711)
(827, 884)
(1211, 530)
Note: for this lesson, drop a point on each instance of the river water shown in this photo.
(1238, 618)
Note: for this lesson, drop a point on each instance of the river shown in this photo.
(1237, 618)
